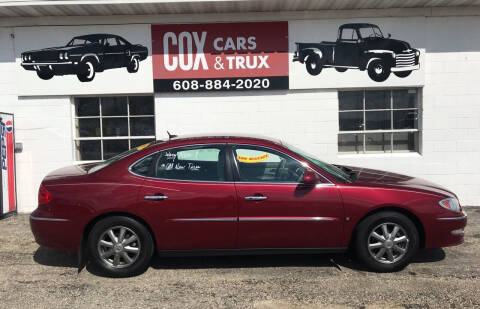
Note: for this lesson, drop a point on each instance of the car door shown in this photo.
(190, 198)
(347, 50)
(114, 53)
(275, 209)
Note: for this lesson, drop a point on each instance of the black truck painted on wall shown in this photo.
(360, 46)
(85, 55)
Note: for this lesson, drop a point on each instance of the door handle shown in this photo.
(255, 198)
(155, 197)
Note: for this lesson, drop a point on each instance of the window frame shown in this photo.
(152, 172)
(102, 138)
(236, 173)
(392, 130)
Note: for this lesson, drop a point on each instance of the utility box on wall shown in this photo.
(8, 203)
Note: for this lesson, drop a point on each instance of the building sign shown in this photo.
(357, 53)
(94, 59)
(7, 165)
(220, 57)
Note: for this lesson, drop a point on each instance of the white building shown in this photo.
(426, 124)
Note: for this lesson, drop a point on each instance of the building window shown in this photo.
(379, 121)
(107, 126)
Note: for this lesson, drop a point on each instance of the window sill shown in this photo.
(380, 155)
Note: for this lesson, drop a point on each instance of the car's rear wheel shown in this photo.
(133, 65)
(402, 74)
(386, 241)
(86, 71)
(120, 246)
(45, 73)
(378, 70)
(314, 64)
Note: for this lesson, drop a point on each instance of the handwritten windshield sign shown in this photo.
(220, 57)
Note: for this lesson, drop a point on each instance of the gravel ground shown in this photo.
(36, 277)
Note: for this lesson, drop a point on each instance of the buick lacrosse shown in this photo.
(219, 195)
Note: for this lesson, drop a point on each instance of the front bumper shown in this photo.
(57, 67)
(447, 231)
(58, 233)
(406, 68)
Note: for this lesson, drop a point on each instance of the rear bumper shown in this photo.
(447, 231)
(58, 233)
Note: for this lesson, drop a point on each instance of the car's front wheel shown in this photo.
(120, 246)
(45, 73)
(402, 74)
(86, 71)
(378, 70)
(386, 241)
(133, 65)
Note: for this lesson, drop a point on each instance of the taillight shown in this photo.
(451, 204)
(44, 197)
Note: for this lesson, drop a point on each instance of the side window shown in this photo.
(143, 167)
(110, 42)
(349, 34)
(121, 42)
(258, 164)
(200, 163)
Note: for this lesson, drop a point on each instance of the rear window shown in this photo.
(117, 157)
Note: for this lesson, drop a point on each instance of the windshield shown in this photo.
(116, 158)
(82, 41)
(336, 172)
(370, 32)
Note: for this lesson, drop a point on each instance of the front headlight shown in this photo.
(29, 57)
(451, 204)
(65, 56)
(394, 55)
(417, 53)
(60, 56)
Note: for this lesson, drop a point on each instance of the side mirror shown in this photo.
(310, 177)
(389, 35)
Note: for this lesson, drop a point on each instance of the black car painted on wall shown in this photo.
(84, 56)
(360, 46)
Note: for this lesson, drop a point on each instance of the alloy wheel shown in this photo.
(388, 243)
(119, 247)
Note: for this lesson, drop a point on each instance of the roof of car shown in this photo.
(357, 25)
(96, 36)
(224, 136)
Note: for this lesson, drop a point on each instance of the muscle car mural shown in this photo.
(360, 46)
(84, 56)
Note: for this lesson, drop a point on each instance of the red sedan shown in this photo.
(238, 195)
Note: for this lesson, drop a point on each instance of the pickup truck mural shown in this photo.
(84, 56)
(360, 46)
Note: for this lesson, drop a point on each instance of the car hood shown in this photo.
(396, 46)
(49, 49)
(378, 178)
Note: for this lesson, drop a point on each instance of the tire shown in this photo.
(407, 239)
(108, 255)
(402, 74)
(314, 64)
(378, 70)
(45, 73)
(133, 65)
(86, 72)
(341, 70)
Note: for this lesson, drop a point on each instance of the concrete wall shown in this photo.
(307, 118)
